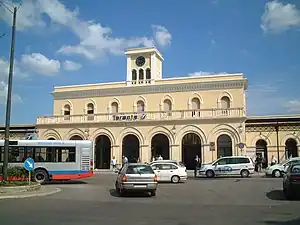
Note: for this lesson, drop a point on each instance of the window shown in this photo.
(114, 107)
(141, 74)
(242, 160)
(90, 111)
(134, 75)
(140, 106)
(67, 112)
(195, 107)
(148, 75)
(139, 169)
(221, 162)
(167, 107)
(40, 154)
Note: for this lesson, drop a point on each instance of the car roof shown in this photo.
(138, 164)
(238, 156)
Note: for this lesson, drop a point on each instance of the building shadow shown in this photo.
(115, 194)
(60, 182)
(288, 222)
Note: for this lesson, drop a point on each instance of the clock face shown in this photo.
(140, 61)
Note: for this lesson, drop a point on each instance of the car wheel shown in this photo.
(244, 173)
(210, 173)
(276, 173)
(153, 193)
(175, 179)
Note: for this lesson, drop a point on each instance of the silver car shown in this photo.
(136, 177)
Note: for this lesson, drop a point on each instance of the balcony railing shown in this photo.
(144, 116)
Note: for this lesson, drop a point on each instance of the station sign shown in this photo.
(129, 117)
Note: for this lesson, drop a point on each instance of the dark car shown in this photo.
(291, 181)
(136, 177)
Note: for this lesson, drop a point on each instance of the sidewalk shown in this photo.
(43, 191)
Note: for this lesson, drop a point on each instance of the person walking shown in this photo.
(197, 162)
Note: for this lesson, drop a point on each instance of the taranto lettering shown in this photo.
(129, 117)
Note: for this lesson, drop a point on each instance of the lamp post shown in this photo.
(9, 93)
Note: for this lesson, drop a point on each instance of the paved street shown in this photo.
(199, 201)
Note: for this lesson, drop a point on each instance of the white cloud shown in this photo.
(95, 41)
(202, 73)
(71, 66)
(293, 106)
(40, 64)
(162, 35)
(279, 17)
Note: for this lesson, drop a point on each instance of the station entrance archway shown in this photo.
(102, 152)
(291, 148)
(190, 147)
(160, 146)
(131, 148)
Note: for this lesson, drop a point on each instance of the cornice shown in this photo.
(150, 89)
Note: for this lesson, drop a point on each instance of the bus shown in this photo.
(54, 159)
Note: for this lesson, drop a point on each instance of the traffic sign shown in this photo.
(29, 164)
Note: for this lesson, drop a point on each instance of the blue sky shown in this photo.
(78, 41)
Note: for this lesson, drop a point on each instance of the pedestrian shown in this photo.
(114, 163)
(258, 162)
(273, 160)
(124, 160)
(197, 164)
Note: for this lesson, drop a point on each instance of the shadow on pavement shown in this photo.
(289, 222)
(276, 195)
(115, 194)
(56, 182)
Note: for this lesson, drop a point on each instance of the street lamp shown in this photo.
(9, 92)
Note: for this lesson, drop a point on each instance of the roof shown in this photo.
(19, 127)
(273, 119)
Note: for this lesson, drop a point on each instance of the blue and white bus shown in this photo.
(54, 159)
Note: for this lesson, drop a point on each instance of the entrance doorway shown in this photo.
(291, 148)
(190, 147)
(262, 151)
(224, 146)
(102, 152)
(131, 148)
(76, 137)
(160, 146)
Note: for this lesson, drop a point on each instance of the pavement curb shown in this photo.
(57, 190)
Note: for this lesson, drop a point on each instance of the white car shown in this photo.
(278, 170)
(169, 171)
(228, 166)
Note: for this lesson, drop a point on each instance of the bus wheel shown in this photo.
(41, 176)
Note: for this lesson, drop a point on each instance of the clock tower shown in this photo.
(144, 66)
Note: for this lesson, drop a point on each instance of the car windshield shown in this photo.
(139, 169)
(283, 162)
(181, 164)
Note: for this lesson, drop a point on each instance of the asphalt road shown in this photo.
(231, 201)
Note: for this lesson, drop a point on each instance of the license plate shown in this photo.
(140, 186)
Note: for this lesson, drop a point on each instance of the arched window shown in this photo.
(168, 107)
(90, 111)
(67, 112)
(225, 102)
(148, 76)
(114, 107)
(141, 76)
(196, 107)
(134, 75)
(140, 105)
(225, 106)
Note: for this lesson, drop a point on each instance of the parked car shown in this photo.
(169, 171)
(136, 177)
(228, 166)
(291, 181)
(279, 169)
